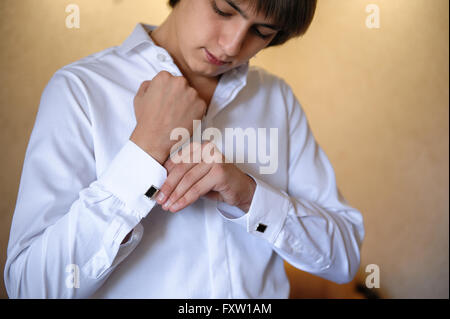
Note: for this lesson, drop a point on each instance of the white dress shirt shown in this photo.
(83, 186)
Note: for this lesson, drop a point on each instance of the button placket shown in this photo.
(165, 60)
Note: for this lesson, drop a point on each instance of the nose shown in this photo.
(232, 38)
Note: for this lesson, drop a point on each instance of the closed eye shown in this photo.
(224, 14)
(264, 36)
(219, 12)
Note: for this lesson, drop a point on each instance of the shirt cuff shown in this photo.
(268, 211)
(267, 214)
(130, 175)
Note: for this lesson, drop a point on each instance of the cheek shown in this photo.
(209, 30)
(250, 49)
(201, 21)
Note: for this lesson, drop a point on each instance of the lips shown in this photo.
(212, 59)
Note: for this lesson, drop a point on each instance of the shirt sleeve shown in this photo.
(310, 225)
(68, 225)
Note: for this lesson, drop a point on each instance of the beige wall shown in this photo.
(376, 99)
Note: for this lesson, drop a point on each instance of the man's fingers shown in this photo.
(184, 169)
(187, 181)
(143, 88)
(169, 164)
(190, 153)
(173, 179)
(202, 187)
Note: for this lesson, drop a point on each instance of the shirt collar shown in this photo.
(137, 37)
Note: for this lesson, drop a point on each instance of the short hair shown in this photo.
(293, 17)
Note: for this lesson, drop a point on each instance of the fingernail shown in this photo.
(175, 206)
(160, 197)
(166, 205)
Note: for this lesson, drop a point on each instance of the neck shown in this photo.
(165, 36)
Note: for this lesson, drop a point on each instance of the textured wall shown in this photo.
(376, 99)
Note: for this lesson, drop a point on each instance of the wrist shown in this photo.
(159, 155)
(245, 205)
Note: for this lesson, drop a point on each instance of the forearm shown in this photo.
(323, 242)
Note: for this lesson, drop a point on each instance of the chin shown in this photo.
(217, 72)
(208, 70)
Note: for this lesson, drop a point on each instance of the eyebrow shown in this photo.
(242, 13)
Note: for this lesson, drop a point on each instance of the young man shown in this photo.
(89, 221)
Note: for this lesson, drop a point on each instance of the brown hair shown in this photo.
(292, 16)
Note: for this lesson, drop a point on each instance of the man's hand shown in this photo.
(211, 176)
(162, 104)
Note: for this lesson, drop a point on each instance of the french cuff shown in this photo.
(268, 211)
(132, 176)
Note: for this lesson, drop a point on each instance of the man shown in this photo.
(105, 211)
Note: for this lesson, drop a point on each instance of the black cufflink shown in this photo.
(261, 228)
(152, 192)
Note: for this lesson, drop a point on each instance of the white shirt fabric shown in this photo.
(83, 186)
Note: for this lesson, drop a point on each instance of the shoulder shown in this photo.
(263, 79)
(69, 86)
(97, 63)
(80, 79)
(261, 76)
(273, 85)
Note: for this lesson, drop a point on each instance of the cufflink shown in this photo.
(152, 192)
(261, 228)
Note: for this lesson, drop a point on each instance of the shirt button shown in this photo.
(161, 57)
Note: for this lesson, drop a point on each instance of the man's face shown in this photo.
(216, 27)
